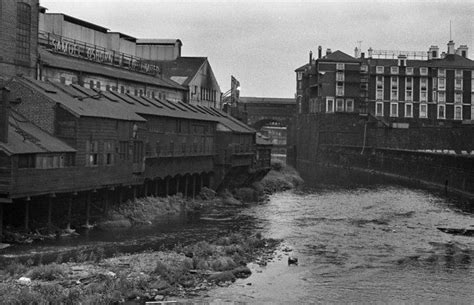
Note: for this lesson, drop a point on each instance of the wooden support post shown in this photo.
(134, 193)
(88, 209)
(177, 185)
(50, 211)
(69, 213)
(156, 187)
(194, 186)
(27, 214)
(120, 195)
(201, 178)
(146, 188)
(167, 186)
(1, 222)
(186, 186)
(106, 201)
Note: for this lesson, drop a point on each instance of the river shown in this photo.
(360, 245)
(376, 244)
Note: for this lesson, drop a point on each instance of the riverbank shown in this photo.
(180, 271)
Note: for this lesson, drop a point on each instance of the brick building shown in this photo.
(18, 32)
(397, 88)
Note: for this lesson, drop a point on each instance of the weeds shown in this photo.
(49, 272)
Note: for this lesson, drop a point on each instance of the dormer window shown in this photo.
(402, 62)
(379, 69)
(394, 70)
(423, 71)
(409, 71)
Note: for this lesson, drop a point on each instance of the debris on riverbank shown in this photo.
(281, 177)
(185, 271)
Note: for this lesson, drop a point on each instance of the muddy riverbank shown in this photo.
(159, 267)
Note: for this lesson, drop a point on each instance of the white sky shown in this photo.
(261, 42)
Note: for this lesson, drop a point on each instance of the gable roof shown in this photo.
(183, 67)
(26, 138)
(302, 68)
(339, 56)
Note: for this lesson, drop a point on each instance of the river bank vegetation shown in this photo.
(183, 271)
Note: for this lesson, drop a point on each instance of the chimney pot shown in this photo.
(320, 52)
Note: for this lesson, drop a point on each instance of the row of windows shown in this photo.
(106, 153)
(340, 105)
(23, 31)
(423, 110)
(395, 70)
(46, 161)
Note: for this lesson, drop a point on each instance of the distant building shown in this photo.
(196, 75)
(397, 87)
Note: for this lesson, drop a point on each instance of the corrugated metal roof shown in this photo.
(26, 138)
(69, 63)
(86, 102)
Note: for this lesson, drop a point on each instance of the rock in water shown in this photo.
(292, 260)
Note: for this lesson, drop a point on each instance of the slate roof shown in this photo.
(452, 61)
(339, 56)
(261, 100)
(302, 68)
(81, 104)
(183, 67)
(69, 63)
(26, 138)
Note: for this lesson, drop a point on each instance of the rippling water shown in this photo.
(361, 245)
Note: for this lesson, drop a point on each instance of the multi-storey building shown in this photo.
(397, 87)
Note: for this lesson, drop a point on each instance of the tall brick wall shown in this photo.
(11, 63)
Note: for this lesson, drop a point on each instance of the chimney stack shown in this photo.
(328, 52)
(4, 115)
(310, 57)
(320, 52)
(462, 50)
(356, 52)
(451, 47)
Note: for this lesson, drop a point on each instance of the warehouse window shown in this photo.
(423, 110)
(109, 149)
(123, 150)
(92, 153)
(379, 109)
(27, 161)
(329, 105)
(23, 31)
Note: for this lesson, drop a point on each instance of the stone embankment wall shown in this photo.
(435, 154)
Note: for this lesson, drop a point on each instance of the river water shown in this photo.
(375, 244)
(360, 245)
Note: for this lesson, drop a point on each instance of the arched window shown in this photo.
(23, 31)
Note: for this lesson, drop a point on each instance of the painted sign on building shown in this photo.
(98, 54)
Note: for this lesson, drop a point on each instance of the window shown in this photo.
(394, 95)
(379, 94)
(458, 98)
(409, 110)
(98, 86)
(458, 73)
(123, 150)
(23, 31)
(394, 70)
(423, 71)
(350, 105)
(364, 68)
(458, 84)
(158, 148)
(458, 112)
(122, 89)
(409, 71)
(423, 83)
(409, 89)
(340, 89)
(441, 83)
(107, 87)
(379, 109)
(423, 96)
(402, 62)
(299, 76)
(379, 82)
(183, 145)
(441, 72)
(435, 83)
(91, 84)
(339, 66)
(340, 76)
(441, 97)
(379, 69)
(109, 149)
(435, 96)
(393, 109)
(26, 161)
(329, 105)
(339, 105)
(423, 110)
(409, 96)
(92, 153)
(441, 111)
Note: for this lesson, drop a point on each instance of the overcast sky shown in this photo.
(261, 43)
